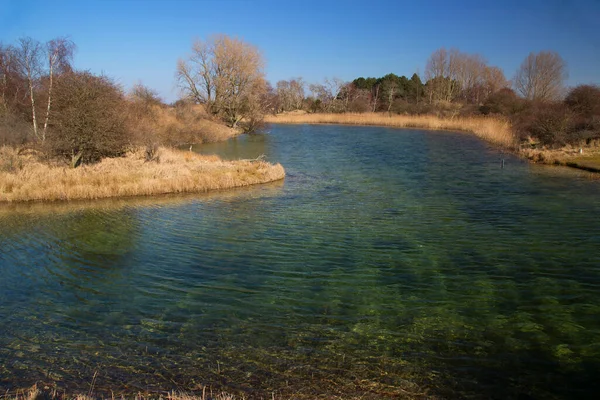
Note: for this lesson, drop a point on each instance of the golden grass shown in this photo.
(25, 178)
(175, 125)
(588, 159)
(495, 130)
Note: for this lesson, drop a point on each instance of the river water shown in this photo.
(388, 263)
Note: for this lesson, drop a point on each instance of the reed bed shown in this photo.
(26, 178)
(494, 130)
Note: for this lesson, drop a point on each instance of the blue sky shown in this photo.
(140, 41)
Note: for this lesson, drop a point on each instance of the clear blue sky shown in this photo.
(140, 41)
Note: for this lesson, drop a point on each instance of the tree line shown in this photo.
(69, 113)
(541, 108)
(49, 106)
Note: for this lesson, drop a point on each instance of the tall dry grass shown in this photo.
(152, 123)
(494, 130)
(26, 178)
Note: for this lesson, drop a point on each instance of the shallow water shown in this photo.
(388, 261)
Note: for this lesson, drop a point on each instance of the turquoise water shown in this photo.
(388, 261)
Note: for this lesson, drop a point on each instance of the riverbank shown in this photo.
(29, 178)
(574, 157)
(493, 130)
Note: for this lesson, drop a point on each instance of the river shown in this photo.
(388, 263)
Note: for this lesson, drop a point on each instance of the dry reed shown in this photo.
(495, 130)
(173, 171)
(184, 124)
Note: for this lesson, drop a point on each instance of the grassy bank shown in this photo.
(569, 156)
(27, 178)
(493, 130)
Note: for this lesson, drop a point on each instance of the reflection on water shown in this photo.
(388, 262)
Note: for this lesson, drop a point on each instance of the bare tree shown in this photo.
(374, 97)
(391, 89)
(4, 65)
(469, 75)
(290, 94)
(493, 81)
(196, 74)
(541, 76)
(328, 94)
(441, 72)
(28, 58)
(224, 73)
(60, 54)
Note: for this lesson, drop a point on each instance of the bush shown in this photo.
(504, 102)
(14, 131)
(551, 124)
(88, 118)
(584, 100)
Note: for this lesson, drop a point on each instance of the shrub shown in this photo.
(88, 118)
(549, 123)
(14, 131)
(584, 100)
(503, 102)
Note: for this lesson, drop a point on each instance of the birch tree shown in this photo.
(59, 54)
(28, 58)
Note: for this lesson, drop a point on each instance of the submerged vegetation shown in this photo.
(73, 135)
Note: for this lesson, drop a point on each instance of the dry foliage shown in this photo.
(541, 76)
(584, 156)
(172, 171)
(227, 75)
(151, 123)
(88, 118)
(494, 130)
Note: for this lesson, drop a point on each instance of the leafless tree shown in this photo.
(224, 73)
(390, 89)
(374, 97)
(4, 65)
(196, 74)
(330, 95)
(541, 76)
(60, 55)
(493, 81)
(290, 94)
(441, 72)
(29, 58)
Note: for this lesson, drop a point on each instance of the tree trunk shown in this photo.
(52, 61)
(35, 128)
